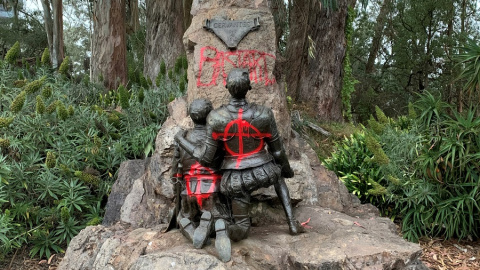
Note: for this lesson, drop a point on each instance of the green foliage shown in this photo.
(66, 161)
(141, 95)
(5, 121)
(412, 114)
(469, 61)
(163, 68)
(88, 178)
(18, 102)
(39, 105)
(34, 86)
(62, 112)
(47, 92)
(52, 107)
(374, 146)
(124, 97)
(349, 81)
(353, 162)
(431, 178)
(45, 60)
(63, 69)
(51, 160)
(13, 54)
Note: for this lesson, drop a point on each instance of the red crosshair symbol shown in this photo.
(243, 131)
(201, 174)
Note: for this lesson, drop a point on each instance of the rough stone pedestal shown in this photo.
(335, 241)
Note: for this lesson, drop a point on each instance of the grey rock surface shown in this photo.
(334, 241)
(127, 173)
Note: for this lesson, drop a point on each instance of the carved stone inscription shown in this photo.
(231, 32)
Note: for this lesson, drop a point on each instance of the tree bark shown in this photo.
(54, 29)
(167, 21)
(132, 16)
(57, 54)
(47, 16)
(317, 81)
(377, 37)
(109, 62)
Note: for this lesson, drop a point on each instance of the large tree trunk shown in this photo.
(109, 62)
(167, 21)
(57, 54)
(317, 81)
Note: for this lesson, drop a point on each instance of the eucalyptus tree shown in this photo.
(315, 53)
(167, 21)
(404, 47)
(53, 20)
(109, 63)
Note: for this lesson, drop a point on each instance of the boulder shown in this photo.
(334, 241)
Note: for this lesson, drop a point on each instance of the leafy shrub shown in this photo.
(64, 149)
(431, 178)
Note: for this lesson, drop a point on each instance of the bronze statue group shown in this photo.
(231, 152)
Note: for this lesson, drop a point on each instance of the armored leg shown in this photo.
(222, 242)
(282, 192)
(202, 232)
(241, 227)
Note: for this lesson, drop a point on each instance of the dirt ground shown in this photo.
(437, 254)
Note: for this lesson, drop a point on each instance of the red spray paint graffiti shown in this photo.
(255, 61)
(243, 129)
(199, 174)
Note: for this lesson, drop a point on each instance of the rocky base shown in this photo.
(334, 241)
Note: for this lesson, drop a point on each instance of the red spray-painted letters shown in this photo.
(255, 61)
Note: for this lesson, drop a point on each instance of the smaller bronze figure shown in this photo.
(244, 130)
(197, 188)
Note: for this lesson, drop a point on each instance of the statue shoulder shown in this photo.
(261, 111)
(217, 115)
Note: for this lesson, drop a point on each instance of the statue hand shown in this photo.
(287, 172)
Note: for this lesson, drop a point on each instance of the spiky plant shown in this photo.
(124, 97)
(18, 102)
(382, 118)
(163, 68)
(51, 160)
(5, 121)
(87, 178)
(62, 111)
(70, 110)
(52, 107)
(39, 105)
(374, 146)
(13, 54)
(47, 92)
(34, 86)
(45, 57)
(141, 96)
(4, 143)
(63, 69)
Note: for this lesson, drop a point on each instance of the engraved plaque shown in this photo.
(231, 32)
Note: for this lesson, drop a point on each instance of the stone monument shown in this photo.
(342, 234)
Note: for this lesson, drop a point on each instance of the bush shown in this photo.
(431, 178)
(63, 149)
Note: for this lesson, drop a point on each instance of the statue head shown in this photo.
(238, 82)
(199, 110)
